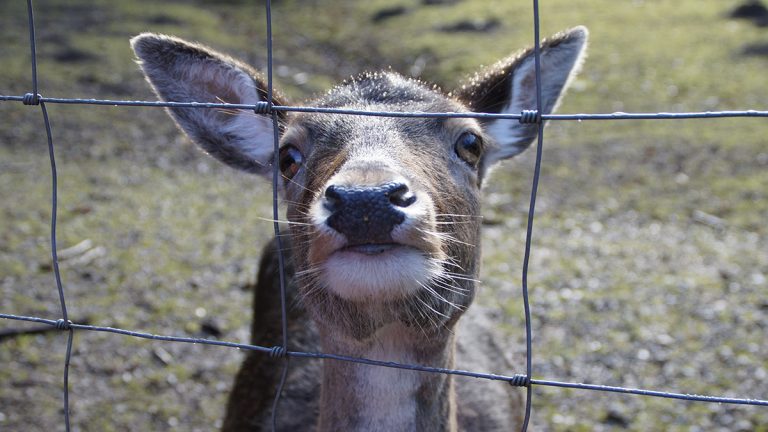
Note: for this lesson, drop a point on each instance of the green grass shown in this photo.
(628, 286)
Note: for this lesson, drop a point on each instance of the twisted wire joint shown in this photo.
(529, 117)
(31, 99)
(262, 108)
(63, 325)
(277, 352)
(519, 381)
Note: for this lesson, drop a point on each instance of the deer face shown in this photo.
(387, 209)
(384, 212)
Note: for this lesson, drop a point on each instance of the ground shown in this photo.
(650, 252)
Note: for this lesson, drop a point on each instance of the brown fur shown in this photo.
(397, 296)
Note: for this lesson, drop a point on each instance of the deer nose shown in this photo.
(367, 214)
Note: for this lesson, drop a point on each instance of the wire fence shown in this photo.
(34, 98)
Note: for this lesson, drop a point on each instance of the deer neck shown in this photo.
(357, 397)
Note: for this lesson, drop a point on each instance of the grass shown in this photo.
(630, 284)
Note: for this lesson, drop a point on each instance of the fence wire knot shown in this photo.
(519, 381)
(277, 352)
(62, 324)
(262, 108)
(529, 117)
(31, 99)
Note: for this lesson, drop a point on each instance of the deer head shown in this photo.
(384, 211)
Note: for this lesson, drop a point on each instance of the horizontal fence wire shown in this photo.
(516, 380)
(283, 351)
(263, 107)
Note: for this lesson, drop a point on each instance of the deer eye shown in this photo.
(290, 161)
(469, 147)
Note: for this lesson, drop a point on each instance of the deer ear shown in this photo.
(509, 87)
(180, 71)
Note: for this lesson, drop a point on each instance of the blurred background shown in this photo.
(650, 255)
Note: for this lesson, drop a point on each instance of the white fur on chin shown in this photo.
(391, 274)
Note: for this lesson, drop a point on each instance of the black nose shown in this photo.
(367, 214)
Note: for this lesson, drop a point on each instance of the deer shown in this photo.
(382, 251)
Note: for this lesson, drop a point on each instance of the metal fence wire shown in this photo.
(283, 351)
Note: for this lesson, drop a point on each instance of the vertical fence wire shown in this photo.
(531, 212)
(35, 99)
(283, 351)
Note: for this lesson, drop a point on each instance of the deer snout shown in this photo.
(366, 215)
(372, 236)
